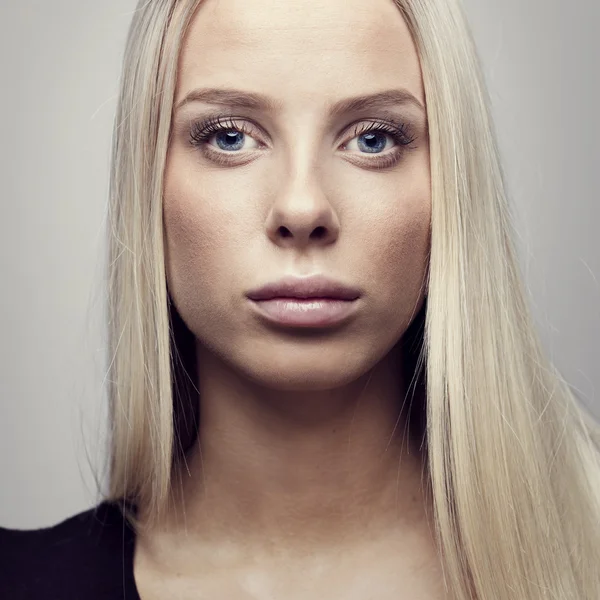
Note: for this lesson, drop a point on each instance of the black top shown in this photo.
(86, 557)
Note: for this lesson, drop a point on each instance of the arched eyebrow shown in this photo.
(255, 101)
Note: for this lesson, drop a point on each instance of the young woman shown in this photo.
(325, 381)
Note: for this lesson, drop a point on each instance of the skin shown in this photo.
(306, 482)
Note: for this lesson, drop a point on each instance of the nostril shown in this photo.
(318, 233)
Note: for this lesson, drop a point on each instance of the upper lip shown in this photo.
(315, 286)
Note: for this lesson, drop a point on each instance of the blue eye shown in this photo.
(371, 139)
(372, 143)
(229, 135)
(230, 140)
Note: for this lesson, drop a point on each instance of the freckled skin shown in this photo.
(299, 458)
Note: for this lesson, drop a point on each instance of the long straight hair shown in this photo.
(512, 458)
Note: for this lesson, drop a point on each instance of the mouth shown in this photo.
(305, 312)
(314, 301)
(314, 287)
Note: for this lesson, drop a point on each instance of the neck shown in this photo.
(317, 467)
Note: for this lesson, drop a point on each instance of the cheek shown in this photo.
(198, 239)
(402, 247)
(395, 259)
(206, 215)
(393, 229)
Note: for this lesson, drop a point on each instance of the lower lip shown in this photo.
(310, 312)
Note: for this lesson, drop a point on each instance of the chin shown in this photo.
(317, 372)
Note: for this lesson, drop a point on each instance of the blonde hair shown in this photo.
(513, 460)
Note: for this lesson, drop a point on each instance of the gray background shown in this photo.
(60, 64)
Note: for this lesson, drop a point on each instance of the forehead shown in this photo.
(299, 50)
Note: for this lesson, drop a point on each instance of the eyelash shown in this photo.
(202, 131)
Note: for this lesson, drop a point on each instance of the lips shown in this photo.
(316, 286)
(315, 301)
(306, 312)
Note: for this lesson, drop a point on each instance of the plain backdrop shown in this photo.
(60, 64)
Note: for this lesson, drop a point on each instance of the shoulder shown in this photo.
(80, 557)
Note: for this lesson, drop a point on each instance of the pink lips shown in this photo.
(305, 302)
(306, 313)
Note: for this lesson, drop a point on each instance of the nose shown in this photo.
(302, 215)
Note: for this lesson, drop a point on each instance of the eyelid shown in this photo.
(391, 121)
(401, 131)
(203, 129)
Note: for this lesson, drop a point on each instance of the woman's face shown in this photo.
(295, 187)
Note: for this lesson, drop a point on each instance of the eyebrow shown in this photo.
(255, 101)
